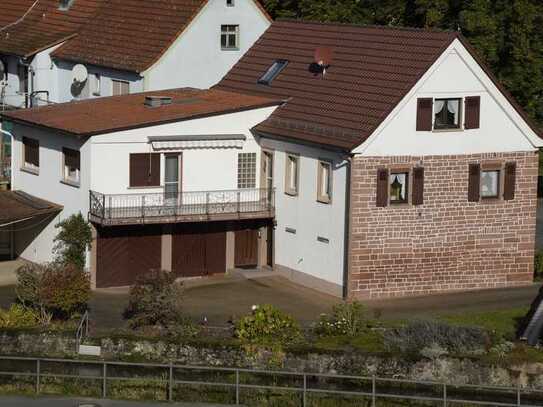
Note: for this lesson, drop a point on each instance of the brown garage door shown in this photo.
(199, 250)
(124, 253)
(246, 248)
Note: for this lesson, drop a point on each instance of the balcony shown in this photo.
(134, 209)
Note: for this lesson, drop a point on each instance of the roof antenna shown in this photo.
(322, 61)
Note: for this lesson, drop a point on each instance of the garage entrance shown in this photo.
(246, 248)
(199, 249)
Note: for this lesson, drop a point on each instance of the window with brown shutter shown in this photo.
(473, 112)
(31, 153)
(382, 187)
(418, 186)
(424, 114)
(509, 181)
(474, 184)
(145, 170)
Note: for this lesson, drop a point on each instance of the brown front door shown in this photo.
(198, 250)
(125, 253)
(246, 253)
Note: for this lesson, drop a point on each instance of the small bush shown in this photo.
(18, 316)
(72, 241)
(420, 335)
(538, 265)
(29, 284)
(65, 290)
(349, 319)
(156, 301)
(267, 325)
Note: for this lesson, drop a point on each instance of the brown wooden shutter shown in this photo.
(424, 114)
(473, 112)
(32, 151)
(145, 170)
(418, 186)
(382, 187)
(474, 182)
(509, 181)
(71, 158)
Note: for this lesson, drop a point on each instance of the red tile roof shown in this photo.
(12, 10)
(109, 114)
(372, 69)
(45, 26)
(131, 34)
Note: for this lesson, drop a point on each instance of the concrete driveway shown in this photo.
(61, 402)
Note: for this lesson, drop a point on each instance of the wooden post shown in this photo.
(104, 381)
(37, 376)
(373, 391)
(237, 387)
(170, 390)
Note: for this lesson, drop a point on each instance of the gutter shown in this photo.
(347, 232)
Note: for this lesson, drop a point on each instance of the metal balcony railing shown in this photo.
(178, 207)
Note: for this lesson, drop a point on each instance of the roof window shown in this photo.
(273, 71)
(65, 5)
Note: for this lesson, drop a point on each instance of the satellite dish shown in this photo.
(80, 73)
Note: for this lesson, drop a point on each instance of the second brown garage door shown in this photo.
(199, 250)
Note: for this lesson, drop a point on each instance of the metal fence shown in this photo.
(304, 385)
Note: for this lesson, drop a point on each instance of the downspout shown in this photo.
(347, 231)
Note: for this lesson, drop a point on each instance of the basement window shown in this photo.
(273, 71)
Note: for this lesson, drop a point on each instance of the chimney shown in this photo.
(157, 101)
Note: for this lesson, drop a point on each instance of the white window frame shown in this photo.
(66, 171)
(291, 177)
(97, 91)
(230, 3)
(225, 31)
(247, 175)
(460, 114)
(119, 82)
(323, 197)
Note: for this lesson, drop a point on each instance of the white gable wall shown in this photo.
(196, 59)
(455, 74)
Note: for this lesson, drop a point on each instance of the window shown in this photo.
(31, 154)
(399, 187)
(447, 114)
(246, 170)
(273, 71)
(230, 3)
(3, 70)
(97, 85)
(144, 170)
(490, 184)
(72, 165)
(230, 37)
(120, 87)
(324, 182)
(292, 174)
(22, 73)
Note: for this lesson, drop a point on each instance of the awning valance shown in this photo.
(222, 141)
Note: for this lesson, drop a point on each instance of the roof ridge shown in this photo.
(377, 26)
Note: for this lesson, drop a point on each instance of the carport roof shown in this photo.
(16, 206)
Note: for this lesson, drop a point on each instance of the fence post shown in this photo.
(170, 389)
(373, 391)
(518, 394)
(238, 202)
(37, 376)
(237, 387)
(445, 394)
(104, 381)
(207, 203)
(143, 206)
(304, 400)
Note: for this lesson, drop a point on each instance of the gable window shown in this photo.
(144, 170)
(120, 87)
(72, 166)
(324, 182)
(273, 71)
(31, 154)
(246, 170)
(399, 187)
(447, 114)
(490, 184)
(230, 37)
(292, 174)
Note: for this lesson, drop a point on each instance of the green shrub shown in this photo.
(29, 284)
(65, 290)
(347, 319)
(156, 301)
(267, 325)
(72, 241)
(18, 316)
(420, 335)
(538, 265)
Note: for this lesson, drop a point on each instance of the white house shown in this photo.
(365, 162)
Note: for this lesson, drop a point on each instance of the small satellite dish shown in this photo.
(80, 73)
(322, 61)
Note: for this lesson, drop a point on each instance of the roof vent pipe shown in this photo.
(157, 101)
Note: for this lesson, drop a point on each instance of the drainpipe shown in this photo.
(347, 232)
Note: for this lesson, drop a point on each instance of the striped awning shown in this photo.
(222, 141)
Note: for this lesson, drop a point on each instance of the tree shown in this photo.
(72, 241)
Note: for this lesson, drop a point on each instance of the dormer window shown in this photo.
(273, 71)
(447, 114)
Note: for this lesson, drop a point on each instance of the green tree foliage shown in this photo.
(508, 34)
(72, 241)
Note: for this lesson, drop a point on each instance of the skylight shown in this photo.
(273, 71)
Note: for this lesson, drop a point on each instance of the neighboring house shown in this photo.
(366, 162)
(126, 46)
